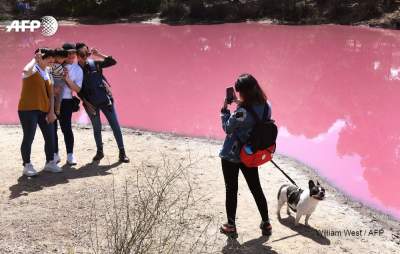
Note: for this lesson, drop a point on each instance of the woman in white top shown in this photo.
(72, 76)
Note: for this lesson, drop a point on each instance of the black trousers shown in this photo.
(231, 174)
(65, 119)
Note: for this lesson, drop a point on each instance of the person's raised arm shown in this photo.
(106, 61)
(29, 68)
(232, 122)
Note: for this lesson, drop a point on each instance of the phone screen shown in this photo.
(230, 95)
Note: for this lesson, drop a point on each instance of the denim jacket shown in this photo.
(237, 128)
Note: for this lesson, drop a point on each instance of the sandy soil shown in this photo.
(48, 213)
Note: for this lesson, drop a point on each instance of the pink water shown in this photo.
(335, 90)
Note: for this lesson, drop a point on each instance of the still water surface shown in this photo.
(335, 90)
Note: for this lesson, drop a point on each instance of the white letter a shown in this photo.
(14, 25)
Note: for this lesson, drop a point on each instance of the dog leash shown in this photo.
(283, 172)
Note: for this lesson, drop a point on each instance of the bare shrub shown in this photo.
(157, 212)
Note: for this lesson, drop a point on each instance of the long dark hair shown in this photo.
(250, 91)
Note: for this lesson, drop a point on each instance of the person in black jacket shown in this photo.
(96, 95)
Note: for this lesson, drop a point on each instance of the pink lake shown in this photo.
(335, 90)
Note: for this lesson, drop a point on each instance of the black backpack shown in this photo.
(264, 133)
(94, 89)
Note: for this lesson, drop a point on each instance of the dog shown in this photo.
(303, 202)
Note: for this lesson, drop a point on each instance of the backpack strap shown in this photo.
(93, 68)
(254, 114)
(92, 65)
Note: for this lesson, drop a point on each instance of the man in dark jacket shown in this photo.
(96, 96)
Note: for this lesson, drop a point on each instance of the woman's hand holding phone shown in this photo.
(225, 106)
(66, 75)
(230, 98)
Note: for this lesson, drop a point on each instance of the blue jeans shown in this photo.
(29, 122)
(111, 115)
(65, 119)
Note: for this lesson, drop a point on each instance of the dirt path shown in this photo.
(48, 214)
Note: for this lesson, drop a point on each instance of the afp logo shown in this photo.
(48, 24)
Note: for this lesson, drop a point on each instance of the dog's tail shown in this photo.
(280, 189)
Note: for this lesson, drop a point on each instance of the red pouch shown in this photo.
(258, 158)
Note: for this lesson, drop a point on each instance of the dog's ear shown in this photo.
(311, 184)
(318, 183)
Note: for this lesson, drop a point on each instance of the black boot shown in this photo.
(266, 228)
(229, 230)
(122, 156)
(99, 155)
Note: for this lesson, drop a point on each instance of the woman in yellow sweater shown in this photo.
(36, 107)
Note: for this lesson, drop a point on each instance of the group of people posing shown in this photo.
(50, 81)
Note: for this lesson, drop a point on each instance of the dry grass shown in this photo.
(152, 213)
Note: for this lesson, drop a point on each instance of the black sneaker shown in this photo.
(99, 155)
(122, 156)
(266, 228)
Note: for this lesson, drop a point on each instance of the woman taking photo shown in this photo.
(237, 127)
(36, 107)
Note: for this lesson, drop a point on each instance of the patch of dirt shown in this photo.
(49, 213)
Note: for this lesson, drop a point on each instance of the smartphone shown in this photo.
(230, 95)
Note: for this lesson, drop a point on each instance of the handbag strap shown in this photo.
(93, 68)
(92, 65)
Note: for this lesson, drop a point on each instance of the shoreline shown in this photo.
(377, 216)
(34, 217)
(157, 20)
(387, 220)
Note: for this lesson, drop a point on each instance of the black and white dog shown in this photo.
(303, 202)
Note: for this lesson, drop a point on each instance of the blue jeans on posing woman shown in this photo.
(29, 122)
(111, 115)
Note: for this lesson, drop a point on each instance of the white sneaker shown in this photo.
(52, 167)
(29, 170)
(57, 158)
(71, 159)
